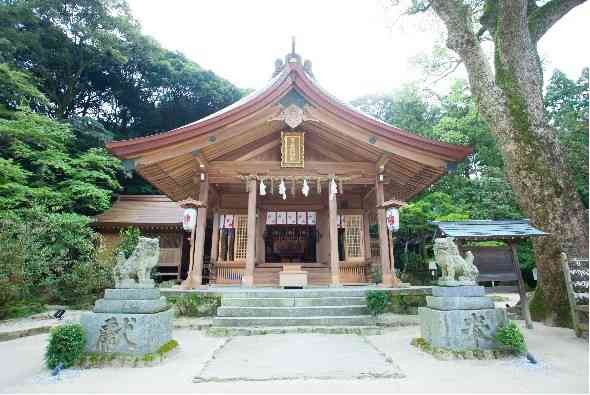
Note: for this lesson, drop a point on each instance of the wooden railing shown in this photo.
(354, 272)
(229, 272)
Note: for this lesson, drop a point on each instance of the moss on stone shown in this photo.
(449, 354)
(97, 360)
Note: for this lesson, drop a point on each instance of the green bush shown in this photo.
(52, 258)
(8, 297)
(377, 302)
(197, 305)
(510, 337)
(66, 345)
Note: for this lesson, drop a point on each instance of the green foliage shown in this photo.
(377, 302)
(40, 171)
(52, 257)
(511, 337)
(566, 102)
(128, 239)
(17, 89)
(66, 345)
(196, 305)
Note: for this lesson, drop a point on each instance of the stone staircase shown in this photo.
(258, 311)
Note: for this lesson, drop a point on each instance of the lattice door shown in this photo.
(353, 227)
(241, 242)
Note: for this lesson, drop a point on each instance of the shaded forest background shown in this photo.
(76, 74)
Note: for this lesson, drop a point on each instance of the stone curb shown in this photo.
(39, 330)
(256, 331)
(17, 334)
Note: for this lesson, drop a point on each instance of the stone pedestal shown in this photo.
(460, 318)
(293, 276)
(134, 321)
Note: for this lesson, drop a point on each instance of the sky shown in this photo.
(357, 47)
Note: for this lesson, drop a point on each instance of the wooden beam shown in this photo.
(257, 151)
(382, 161)
(392, 203)
(201, 160)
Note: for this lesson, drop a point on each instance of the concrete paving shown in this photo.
(563, 366)
(287, 357)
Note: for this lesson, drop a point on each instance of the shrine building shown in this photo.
(289, 176)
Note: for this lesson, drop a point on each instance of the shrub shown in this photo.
(512, 338)
(197, 305)
(8, 297)
(66, 345)
(52, 258)
(377, 302)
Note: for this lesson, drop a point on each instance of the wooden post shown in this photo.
(248, 278)
(334, 258)
(214, 244)
(387, 277)
(195, 274)
(524, 302)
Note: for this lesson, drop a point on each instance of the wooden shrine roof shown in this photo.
(143, 211)
(245, 138)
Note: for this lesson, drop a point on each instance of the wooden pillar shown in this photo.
(524, 302)
(386, 270)
(195, 274)
(334, 259)
(214, 243)
(248, 278)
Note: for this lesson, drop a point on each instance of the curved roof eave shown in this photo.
(292, 76)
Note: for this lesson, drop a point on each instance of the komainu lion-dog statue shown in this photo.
(456, 270)
(138, 266)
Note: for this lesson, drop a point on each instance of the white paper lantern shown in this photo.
(392, 219)
(189, 219)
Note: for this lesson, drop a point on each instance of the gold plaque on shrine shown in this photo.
(292, 149)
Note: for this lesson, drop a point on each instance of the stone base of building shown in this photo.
(135, 321)
(463, 319)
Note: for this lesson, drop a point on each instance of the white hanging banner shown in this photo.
(189, 219)
(392, 219)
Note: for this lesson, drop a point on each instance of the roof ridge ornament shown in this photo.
(292, 58)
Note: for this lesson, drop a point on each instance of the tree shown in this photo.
(39, 170)
(510, 100)
(566, 102)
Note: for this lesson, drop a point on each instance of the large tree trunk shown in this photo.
(511, 102)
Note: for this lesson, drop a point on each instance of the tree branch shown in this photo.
(543, 18)
(462, 39)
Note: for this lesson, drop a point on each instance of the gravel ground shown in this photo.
(563, 366)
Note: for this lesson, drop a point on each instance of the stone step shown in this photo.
(277, 330)
(295, 293)
(306, 311)
(355, 320)
(294, 302)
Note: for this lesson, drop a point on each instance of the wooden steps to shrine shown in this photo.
(302, 308)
